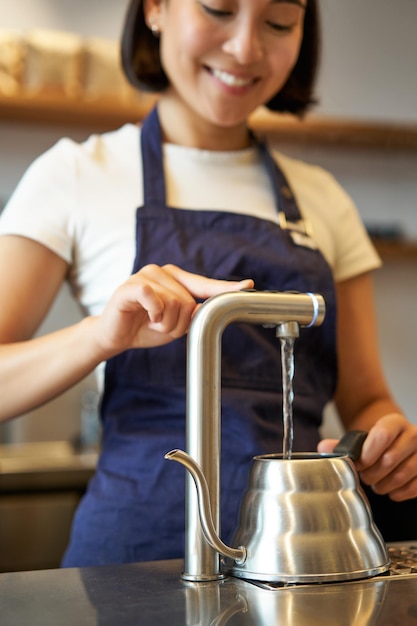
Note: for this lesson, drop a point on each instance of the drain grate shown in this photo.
(403, 559)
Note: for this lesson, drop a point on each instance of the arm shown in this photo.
(151, 308)
(389, 457)
(33, 371)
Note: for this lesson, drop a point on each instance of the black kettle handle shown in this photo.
(351, 444)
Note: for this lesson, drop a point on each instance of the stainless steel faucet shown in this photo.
(203, 424)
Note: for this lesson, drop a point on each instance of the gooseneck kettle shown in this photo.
(302, 519)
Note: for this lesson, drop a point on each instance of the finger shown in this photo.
(392, 440)
(203, 287)
(327, 445)
(401, 483)
(175, 318)
(396, 466)
(167, 310)
(167, 294)
(380, 438)
(138, 293)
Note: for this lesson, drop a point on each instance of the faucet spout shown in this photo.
(237, 554)
(202, 562)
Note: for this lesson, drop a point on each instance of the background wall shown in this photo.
(369, 65)
(369, 71)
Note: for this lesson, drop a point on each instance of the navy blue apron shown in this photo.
(134, 507)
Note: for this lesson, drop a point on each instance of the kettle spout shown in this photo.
(206, 518)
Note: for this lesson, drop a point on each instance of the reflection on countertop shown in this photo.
(153, 593)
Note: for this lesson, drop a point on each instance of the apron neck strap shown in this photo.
(153, 165)
(154, 192)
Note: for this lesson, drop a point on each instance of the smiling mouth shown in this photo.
(230, 79)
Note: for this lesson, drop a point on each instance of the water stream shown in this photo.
(287, 360)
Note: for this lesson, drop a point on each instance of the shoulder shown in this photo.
(307, 178)
(64, 174)
(69, 190)
(336, 221)
(319, 195)
(68, 161)
(101, 147)
(99, 150)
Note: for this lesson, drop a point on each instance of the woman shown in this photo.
(212, 201)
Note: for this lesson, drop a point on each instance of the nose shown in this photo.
(244, 43)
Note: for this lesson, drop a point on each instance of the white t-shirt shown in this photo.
(80, 200)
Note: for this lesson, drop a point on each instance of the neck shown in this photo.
(180, 125)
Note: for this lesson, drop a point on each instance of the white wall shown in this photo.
(103, 18)
(369, 71)
(369, 62)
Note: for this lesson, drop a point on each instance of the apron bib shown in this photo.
(134, 507)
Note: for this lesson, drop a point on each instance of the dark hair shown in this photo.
(142, 65)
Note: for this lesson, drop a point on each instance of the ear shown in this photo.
(152, 10)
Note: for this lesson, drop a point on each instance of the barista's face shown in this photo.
(224, 58)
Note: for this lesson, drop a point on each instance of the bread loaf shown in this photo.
(53, 62)
(11, 62)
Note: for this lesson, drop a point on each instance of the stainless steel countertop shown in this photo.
(150, 594)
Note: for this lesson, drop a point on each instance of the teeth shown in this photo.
(229, 79)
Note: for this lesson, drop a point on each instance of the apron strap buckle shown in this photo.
(303, 227)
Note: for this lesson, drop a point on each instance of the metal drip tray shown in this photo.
(403, 558)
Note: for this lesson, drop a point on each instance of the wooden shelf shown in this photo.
(336, 132)
(102, 114)
(105, 114)
(97, 114)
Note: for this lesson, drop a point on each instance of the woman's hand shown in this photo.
(155, 306)
(388, 462)
(151, 308)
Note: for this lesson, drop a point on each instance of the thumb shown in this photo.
(327, 445)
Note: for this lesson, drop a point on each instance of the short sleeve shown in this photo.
(41, 205)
